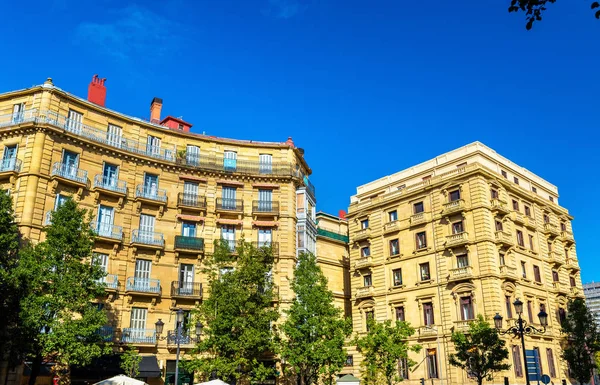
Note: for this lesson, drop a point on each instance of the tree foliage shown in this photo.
(382, 348)
(314, 331)
(480, 352)
(130, 362)
(237, 315)
(61, 282)
(535, 8)
(582, 342)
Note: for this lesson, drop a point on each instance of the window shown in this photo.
(466, 309)
(18, 112)
(551, 367)
(369, 317)
(508, 302)
(563, 226)
(137, 322)
(153, 145)
(527, 211)
(516, 180)
(523, 269)
(60, 200)
(495, 194)
(551, 199)
(504, 174)
(101, 260)
(457, 227)
(364, 224)
(539, 358)
(74, 121)
(546, 218)
(349, 361)
(9, 158)
(150, 185)
(501, 259)
(397, 277)
(428, 314)
(418, 207)
(533, 189)
(520, 241)
(399, 313)
(403, 368)
(146, 231)
(517, 361)
(421, 240)
(530, 242)
(393, 216)
(530, 311)
(424, 270)
(105, 220)
(499, 226)
(515, 205)
(394, 247)
(225, 270)
(188, 229)
(228, 236)
(265, 163)
(572, 281)
(190, 194)
(367, 280)
(180, 127)
(562, 315)
(454, 195)
(462, 261)
(549, 247)
(432, 369)
(228, 196)
(365, 252)
(192, 155)
(265, 200)
(536, 274)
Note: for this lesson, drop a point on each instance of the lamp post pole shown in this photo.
(521, 328)
(437, 335)
(178, 337)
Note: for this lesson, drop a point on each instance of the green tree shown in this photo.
(582, 342)
(535, 8)
(130, 362)
(480, 351)
(384, 345)
(314, 331)
(61, 282)
(237, 315)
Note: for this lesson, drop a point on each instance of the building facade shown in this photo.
(160, 197)
(463, 234)
(592, 298)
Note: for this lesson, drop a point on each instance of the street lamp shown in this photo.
(437, 337)
(179, 336)
(521, 328)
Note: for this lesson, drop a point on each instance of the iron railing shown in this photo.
(227, 204)
(143, 285)
(272, 247)
(138, 336)
(184, 338)
(147, 238)
(111, 281)
(18, 117)
(112, 184)
(108, 230)
(191, 200)
(150, 192)
(186, 289)
(69, 172)
(189, 243)
(333, 235)
(265, 207)
(10, 164)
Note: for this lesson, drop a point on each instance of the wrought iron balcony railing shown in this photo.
(10, 164)
(191, 200)
(111, 184)
(151, 193)
(111, 281)
(273, 247)
(69, 172)
(189, 243)
(138, 336)
(186, 289)
(184, 338)
(265, 207)
(143, 285)
(147, 238)
(108, 230)
(225, 204)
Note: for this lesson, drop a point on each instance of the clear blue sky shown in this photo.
(366, 87)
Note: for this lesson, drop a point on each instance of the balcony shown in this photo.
(185, 340)
(462, 326)
(266, 208)
(530, 222)
(139, 336)
(500, 206)
(110, 186)
(363, 262)
(365, 292)
(504, 238)
(191, 202)
(556, 258)
(417, 219)
(149, 286)
(567, 236)
(461, 273)
(517, 217)
(454, 207)
(108, 231)
(572, 264)
(147, 239)
(391, 227)
(427, 331)
(194, 244)
(106, 333)
(150, 194)
(560, 288)
(574, 291)
(15, 118)
(186, 289)
(551, 229)
(110, 281)
(508, 272)
(457, 239)
(230, 205)
(362, 234)
(69, 174)
(230, 244)
(10, 166)
(272, 247)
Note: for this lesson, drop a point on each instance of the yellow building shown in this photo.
(463, 234)
(160, 197)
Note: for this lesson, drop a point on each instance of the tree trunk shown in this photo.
(36, 366)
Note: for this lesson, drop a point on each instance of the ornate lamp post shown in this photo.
(521, 328)
(179, 336)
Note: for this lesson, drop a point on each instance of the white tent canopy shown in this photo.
(213, 382)
(121, 379)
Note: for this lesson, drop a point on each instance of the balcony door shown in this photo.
(186, 278)
(110, 174)
(101, 260)
(18, 112)
(230, 160)
(192, 155)
(265, 163)
(229, 197)
(150, 184)
(141, 278)
(106, 217)
(190, 193)
(60, 200)
(188, 229)
(153, 145)
(228, 234)
(74, 121)
(114, 135)
(70, 161)
(265, 200)
(265, 236)
(138, 323)
(146, 231)
(9, 158)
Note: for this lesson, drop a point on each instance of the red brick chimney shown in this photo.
(155, 108)
(97, 91)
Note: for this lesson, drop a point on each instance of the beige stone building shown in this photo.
(463, 234)
(160, 196)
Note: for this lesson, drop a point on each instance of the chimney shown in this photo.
(155, 108)
(97, 91)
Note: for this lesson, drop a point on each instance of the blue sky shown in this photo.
(367, 88)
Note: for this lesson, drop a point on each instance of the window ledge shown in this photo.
(425, 282)
(399, 255)
(423, 250)
(398, 287)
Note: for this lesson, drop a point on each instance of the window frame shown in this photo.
(395, 274)
(422, 268)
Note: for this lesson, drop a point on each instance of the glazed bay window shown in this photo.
(457, 227)
(428, 319)
(466, 309)
(394, 247)
(399, 310)
(418, 208)
(393, 216)
(397, 277)
(520, 240)
(424, 271)
(367, 280)
(421, 239)
(365, 252)
(454, 195)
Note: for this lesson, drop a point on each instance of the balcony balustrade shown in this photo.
(363, 262)
(139, 336)
(151, 193)
(504, 238)
(231, 205)
(111, 185)
(567, 236)
(18, 117)
(189, 243)
(364, 292)
(143, 285)
(461, 273)
(457, 239)
(572, 264)
(362, 234)
(186, 289)
(265, 208)
(191, 201)
(110, 281)
(147, 238)
(426, 331)
(391, 227)
(556, 258)
(551, 229)
(273, 247)
(517, 217)
(462, 326)
(530, 222)
(454, 206)
(12, 165)
(69, 173)
(500, 206)
(508, 272)
(108, 230)
(417, 219)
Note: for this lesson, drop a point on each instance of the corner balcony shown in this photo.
(517, 217)
(110, 186)
(265, 208)
(10, 166)
(504, 238)
(500, 206)
(530, 222)
(108, 231)
(110, 281)
(185, 340)
(391, 227)
(147, 239)
(192, 244)
(192, 290)
(191, 202)
(363, 262)
(139, 336)
(272, 247)
(551, 229)
(144, 286)
(150, 194)
(556, 258)
(362, 234)
(365, 292)
(454, 207)
(226, 205)
(69, 175)
(417, 219)
(567, 236)
(461, 273)
(508, 272)
(560, 288)
(457, 239)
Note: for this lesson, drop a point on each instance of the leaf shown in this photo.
(597, 14)
(595, 5)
